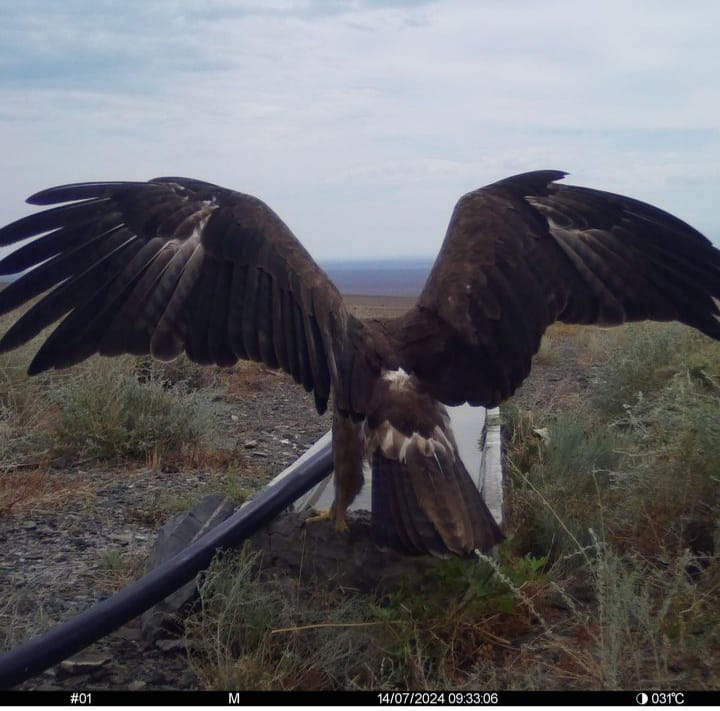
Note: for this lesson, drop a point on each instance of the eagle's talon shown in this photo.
(341, 525)
(319, 515)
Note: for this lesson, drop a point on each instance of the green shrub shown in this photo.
(636, 461)
(640, 360)
(673, 440)
(566, 482)
(106, 412)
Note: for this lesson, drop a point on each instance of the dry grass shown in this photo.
(21, 617)
(590, 345)
(41, 489)
(119, 567)
(247, 377)
(378, 306)
(119, 410)
(256, 631)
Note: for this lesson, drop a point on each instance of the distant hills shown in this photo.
(367, 277)
(379, 277)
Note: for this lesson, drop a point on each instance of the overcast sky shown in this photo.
(362, 121)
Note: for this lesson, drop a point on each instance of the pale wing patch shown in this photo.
(398, 379)
(180, 275)
(577, 246)
(395, 445)
(440, 437)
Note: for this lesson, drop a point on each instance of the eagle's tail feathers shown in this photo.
(429, 505)
(398, 520)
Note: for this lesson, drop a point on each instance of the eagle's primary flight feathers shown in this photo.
(175, 265)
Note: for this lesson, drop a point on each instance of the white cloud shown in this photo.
(362, 122)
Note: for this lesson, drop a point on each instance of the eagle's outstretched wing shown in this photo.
(167, 266)
(524, 252)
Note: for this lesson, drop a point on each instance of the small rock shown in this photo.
(543, 433)
(188, 680)
(131, 634)
(29, 525)
(181, 530)
(137, 685)
(250, 444)
(85, 665)
(170, 645)
(159, 678)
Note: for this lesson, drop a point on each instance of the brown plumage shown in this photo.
(177, 265)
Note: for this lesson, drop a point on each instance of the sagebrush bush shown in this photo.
(673, 440)
(641, 358)
(105, 412)
(179, 370)
(637, 460)
(562, 478)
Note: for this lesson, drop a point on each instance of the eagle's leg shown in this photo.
(348, 452)
(348, 455)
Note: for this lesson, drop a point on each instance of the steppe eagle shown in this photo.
(176, 264)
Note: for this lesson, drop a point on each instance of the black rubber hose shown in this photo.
(70, 637)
